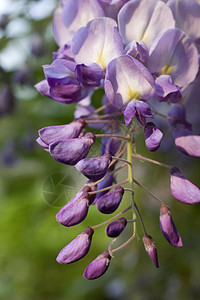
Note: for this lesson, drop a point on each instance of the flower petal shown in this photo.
(182, 189)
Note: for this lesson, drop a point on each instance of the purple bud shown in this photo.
(94, 168)
(182, 189)
(153, 137)
(77, 248)
(115, 228)
(72, 150)
(168, 227)
(109, 202)
(98, 266)
(151, 249)
(75, 211)
(61, 132)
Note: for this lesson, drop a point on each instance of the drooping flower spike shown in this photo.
(140, 60)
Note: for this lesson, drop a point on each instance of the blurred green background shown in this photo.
(33, 187)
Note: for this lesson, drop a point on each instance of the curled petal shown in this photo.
(168, 227)
(94, 168)
(151, 249)
(103, 184)
(72, 150)
(166, 90)
(115, 228)
(77, 248)
(153, 137)
(43, 88)
(109, 202)
(129, 112)
(182, 189)
(137, 50)
(98, 266)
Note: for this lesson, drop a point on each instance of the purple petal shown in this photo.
(126, 78)
(89, 76)
(43, 88)
(41, 143)
(168, 227)
(77, 248)
(94, 168)
(61, 132)
(75, 211)
(115, 228)
(110, 145)
(104, 38)
(182, 189)
(98, 266)
(70, 16)
(60, 72)
(64, 52)
(153, 137)
(138, 51)
(72, 150)
(109, 202)
(144, 20)
(172, 53)
(143, 111)
(166, 90)
(68, 94)
(129, 112)
(151, 249)
(186, 14)
(187, 141)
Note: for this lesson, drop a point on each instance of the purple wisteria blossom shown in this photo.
(98, 266)
(151, 249)
(109, 202)
(122, 64)
(168, 228)
(71, 151)
(115, 228)
(94, 168)
(77, 248)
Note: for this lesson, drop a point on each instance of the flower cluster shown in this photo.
(141, 53)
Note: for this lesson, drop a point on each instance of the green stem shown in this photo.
(108, 221)
(112, 135)
(138, 156)
(108, 187)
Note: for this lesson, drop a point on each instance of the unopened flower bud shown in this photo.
(52, 134)
(153, 137)
(75, 211)
(94, 168)
(77, 248)
(98, 266)
(168, 228)
(109, 202)
(182, 189)
(115, 228)
(72, 150)
(151, 249)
